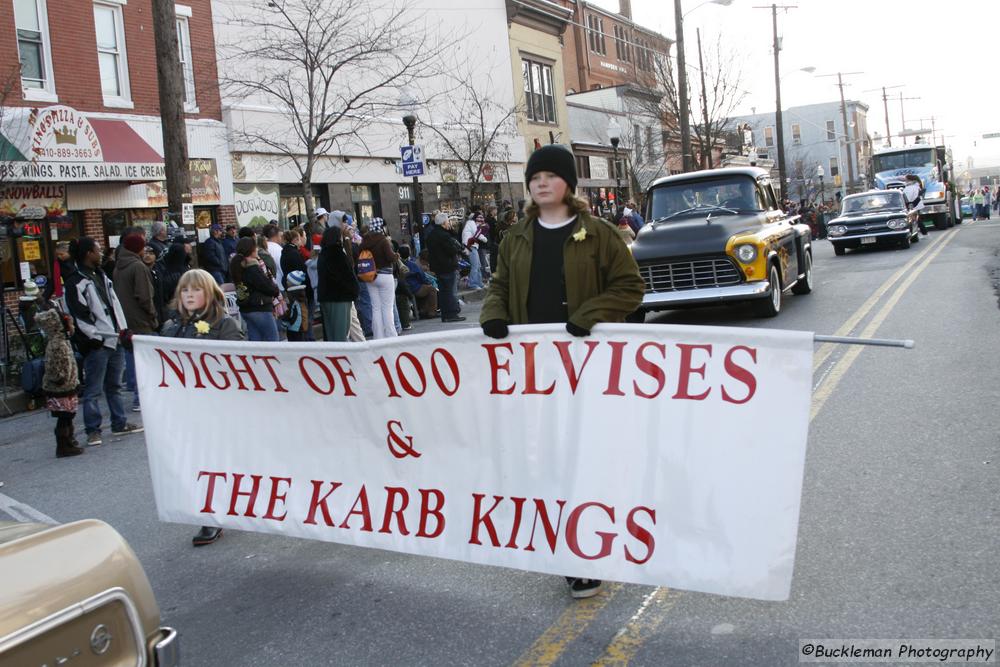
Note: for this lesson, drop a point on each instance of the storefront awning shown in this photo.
(59, 144)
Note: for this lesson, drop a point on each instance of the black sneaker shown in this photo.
(583, 588)
(456, 318)
(206, 535)
(128, 429)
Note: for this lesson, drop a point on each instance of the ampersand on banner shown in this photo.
(399, 446)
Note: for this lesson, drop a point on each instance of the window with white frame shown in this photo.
(831, 130)
(622, 46)
(769, 136)
(596, 34)
(31, 23)
(184, 51)
(539, 92)
(109, 30)
(796, 134)
(650, 143)
(834, 167)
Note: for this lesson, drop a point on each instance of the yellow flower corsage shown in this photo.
(202, 327)
(580, 235)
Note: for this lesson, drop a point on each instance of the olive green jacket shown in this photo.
(602, 279)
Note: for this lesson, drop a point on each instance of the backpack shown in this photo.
(366, 266)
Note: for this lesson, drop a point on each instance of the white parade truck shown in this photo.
(934, 166)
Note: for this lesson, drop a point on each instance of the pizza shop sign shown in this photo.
(63, 134)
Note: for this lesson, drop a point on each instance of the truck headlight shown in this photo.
(898, 223)
(934, 195)
(836, 230)
(746, 253)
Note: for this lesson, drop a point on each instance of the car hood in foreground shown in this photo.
(692, 235)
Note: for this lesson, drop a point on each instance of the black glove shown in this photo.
(125, 338)
(495, 328)
(577, 331)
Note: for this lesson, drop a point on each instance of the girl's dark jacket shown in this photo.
(225, 329)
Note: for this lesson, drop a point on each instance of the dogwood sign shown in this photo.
(650, 454)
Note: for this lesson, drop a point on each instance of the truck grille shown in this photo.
(692, 274)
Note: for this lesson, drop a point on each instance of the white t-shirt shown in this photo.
(556, 225)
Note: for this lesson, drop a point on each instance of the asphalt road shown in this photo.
(899, 532)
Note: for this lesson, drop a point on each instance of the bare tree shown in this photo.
(10, 79)
(330, 68)
(721, 93)
(472, 126)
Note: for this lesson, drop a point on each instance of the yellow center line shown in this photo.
(655, 607)
(643, 624)
(570, 625)
(824, 392)
(826, 349)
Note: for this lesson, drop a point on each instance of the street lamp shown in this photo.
(615, 135)
(409, 104)
(682, 88)
(822, 193)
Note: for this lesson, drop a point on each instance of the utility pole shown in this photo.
(902, 113)
(705, 132)
(848, 148)
(170, 78)
(778, 119)
(885, 107)
(682, 91)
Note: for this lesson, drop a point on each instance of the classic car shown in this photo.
(719, 236)
(873, 218)
(76, 594)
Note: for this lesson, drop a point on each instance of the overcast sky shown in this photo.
(943, 53)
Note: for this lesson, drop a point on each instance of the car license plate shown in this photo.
(865, 240)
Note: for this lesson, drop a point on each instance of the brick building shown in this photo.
(604, 49)
(80, 135)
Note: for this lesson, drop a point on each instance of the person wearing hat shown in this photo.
(337, 286)
(213, 254)
(382, 290)
(560, 264)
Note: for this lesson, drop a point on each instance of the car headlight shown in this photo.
(836, 230)
(746, 253)
(898, 223)
(934, 195)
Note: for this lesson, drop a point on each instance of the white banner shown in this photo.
(650, 454)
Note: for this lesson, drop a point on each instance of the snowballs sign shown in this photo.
(649, 454)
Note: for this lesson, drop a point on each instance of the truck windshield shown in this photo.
(874, 202)
(736, 193)
(917, 158)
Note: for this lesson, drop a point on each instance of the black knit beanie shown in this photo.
(555, 158)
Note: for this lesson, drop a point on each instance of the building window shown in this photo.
(187, 66)
(796, 134)
(596, 34)
(31, 22)
(769, 136)
(834, 167)
(651, 149)
(539, 95)
(109, 29)
(831, 130)
(583, 166)
(622, 47)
